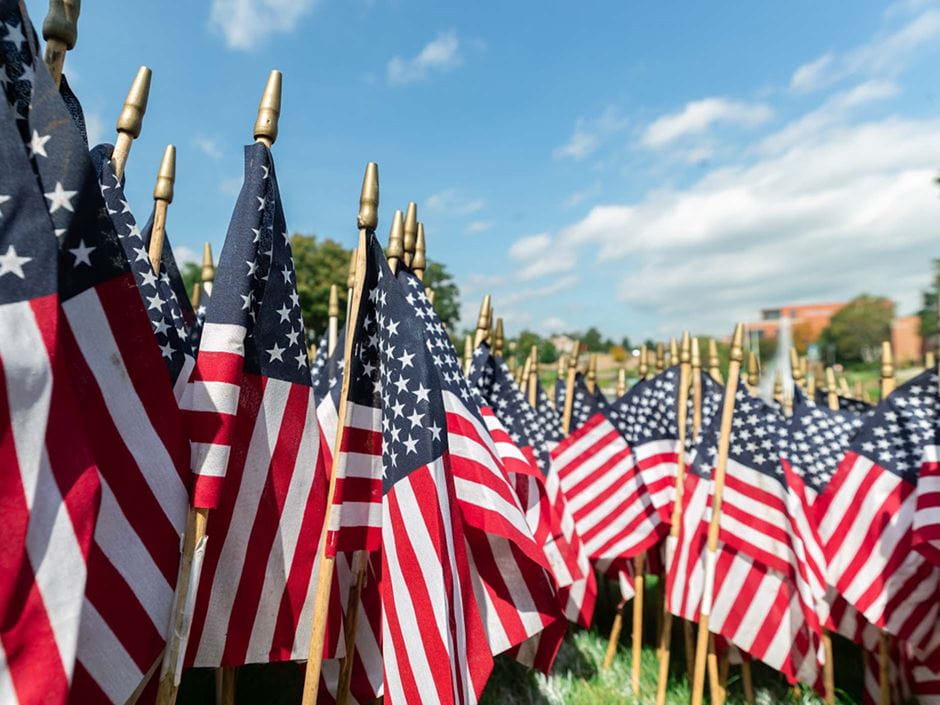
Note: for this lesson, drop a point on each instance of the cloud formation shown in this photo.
(699, 115)
(589, 134)
(439, 55)
(451, 202)
(246, 24)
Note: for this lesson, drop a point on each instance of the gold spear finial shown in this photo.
(60, 30)
(419, 263)
(685, 349)
(368, 218)
(499, 339)
(796, 370)
(351, 272)
(410, 232)
(844, 387)
(714, 365)
(207, 275)
(592, 372)
(333, 307)
(269, 110)
(673, 352)
(660, 357)
(483, 322)
(429, 292)
(930, 359)
(621, 382)
(753, 370)
(643, 368)
(395, 250)
(562, 365)
(832, 395)
(467, 354)
(162, 197)
(196, 298)
(131, 119)
(778, 386)
(737, 343)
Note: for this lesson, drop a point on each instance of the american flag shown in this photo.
(50, 490)
(857, 406)
(762, 599)
(256, 449)
(436, 447)
(156, 294)
(585, 404)
(533, 430)
(866, 519)
(612, 506)
(195, 333)
(134, 425)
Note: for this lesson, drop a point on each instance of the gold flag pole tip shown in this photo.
(269, 110)
(368, 218)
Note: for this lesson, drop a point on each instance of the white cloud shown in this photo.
(528, 247)
(230, 186)
(184, 254)
(478, 226)
(884, 56)
(838, 211)
(452, 202)
(246, 24)
(540, 256)
(698, 116)
(208, 146)
(554, 324)
(589, 134)
(439, 55)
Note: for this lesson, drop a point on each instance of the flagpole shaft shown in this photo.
(614, 638)
(193, 537)
(665, 638)
(157, 234)
(327, 564)
(715, 681)
(747, 682)
(225, 685)
(352, 619)
(637, 643)
(727, 416)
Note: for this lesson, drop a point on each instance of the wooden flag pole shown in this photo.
(673, 353)
(727, 415)
(533, 378)
(60, 30)
(194, 538)
(844, 386)
(591, 379)
(753, 373)
(687, 631)
(350, 281)
(621, 382)
(524, 374)
(665, 636)
(332, 313)
(888, 383)
(131, 120)
(162, 198)
(367, 221)
(467, 354)
(569, 388)
(930, 359)
(714, 367)
(660, 358)
(643, 369)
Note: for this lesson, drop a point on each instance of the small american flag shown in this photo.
(762, 600)
(256, 449)
(50, 489)
(180, 306)
(866, 518)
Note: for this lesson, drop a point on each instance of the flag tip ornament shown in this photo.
(269, 110)
(887, 369)
(162, 197)
(208, 268)
(395, 250)
(333, 306)
(131, 119)
(368, 218)
(60, 30)
(685, 349)
(483, 321)
(419, 261)
(753, 370)
(410, 233)
(499, 339)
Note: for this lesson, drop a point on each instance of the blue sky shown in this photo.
(641, 167)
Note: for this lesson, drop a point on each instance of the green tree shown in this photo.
(319, 262)
(446, 293)
(191, 274)
(548, 353)
(856, 331)
(625, 344)
(593, 341)
(524, 343)
(930, 310)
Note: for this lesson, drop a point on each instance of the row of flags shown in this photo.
(449, 519)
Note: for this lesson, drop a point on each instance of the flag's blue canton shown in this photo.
(330, 377)
(548, 419)
(819, 439)
(28, 249)
(154, 291)
(492, 379)
(894, 436)
(89, 250)
(319, 361)
(180, 304)
(649, 409)
(759, 435)
(393, 368)
(255, 284)
(560, 385)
